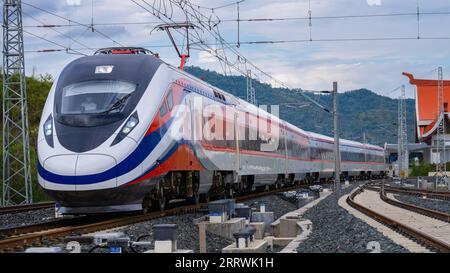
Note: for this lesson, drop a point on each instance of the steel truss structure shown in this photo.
(16, 172)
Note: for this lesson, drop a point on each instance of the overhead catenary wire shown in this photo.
(52, 42)
(72, 21)
(233, 20)
(218, 7)
(275, 19)
(59, 32)
(214, 32)
(228, 46)
(418, 13)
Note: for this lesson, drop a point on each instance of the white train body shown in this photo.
(120, 130)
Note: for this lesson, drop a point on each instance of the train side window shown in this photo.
(163, 110)
(170, 100)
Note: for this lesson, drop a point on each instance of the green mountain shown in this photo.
(361, 110)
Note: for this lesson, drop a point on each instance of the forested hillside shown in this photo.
(362, 111)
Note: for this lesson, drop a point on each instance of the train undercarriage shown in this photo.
(185, 185)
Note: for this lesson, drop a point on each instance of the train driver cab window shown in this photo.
(170, 100)
(96, 96)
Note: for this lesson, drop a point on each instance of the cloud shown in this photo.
(206, 57)
(374, 2)
(376, 65)
(73, 2)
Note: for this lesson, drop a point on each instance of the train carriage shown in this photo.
(126, 132)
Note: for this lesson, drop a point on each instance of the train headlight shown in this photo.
(131, 123)
(48, 130)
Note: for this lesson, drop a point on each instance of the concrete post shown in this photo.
(202, 237)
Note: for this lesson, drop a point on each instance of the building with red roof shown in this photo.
(427, 114)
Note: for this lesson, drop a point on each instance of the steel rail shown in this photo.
(444, 195)
(424, 211)
(55, 234)
(423, 238)
(442, 216)
(26, 207)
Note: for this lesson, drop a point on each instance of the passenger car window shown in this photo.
(170, 101)
(163, 110)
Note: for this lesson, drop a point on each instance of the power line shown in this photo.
(273, 42)
(258, 19)
(263, 19)
(72, 21)
(219, 7)
(346, 40)
(52, 42)
(59, 32)
(196, 15)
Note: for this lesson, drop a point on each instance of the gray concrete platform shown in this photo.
(255, 246)
(179, 251)
(260, 227)
(225, 229)
(266, 217)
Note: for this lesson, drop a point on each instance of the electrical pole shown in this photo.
(441, 170)
(399, 138)
(251, 94)
(16, 174)
(337, 154)
(402, 149)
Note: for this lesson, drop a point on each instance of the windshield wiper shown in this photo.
(118, 104)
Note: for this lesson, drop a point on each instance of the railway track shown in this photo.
(36, 235)
(427, 227)
(443, 195)
(27, 207)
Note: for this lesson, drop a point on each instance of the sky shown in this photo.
(375, 65)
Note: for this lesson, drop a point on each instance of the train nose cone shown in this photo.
(61, 165)
(78, 172)
(98, 168)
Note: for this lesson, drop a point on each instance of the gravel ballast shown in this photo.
(275, 203)
(26, 218)
(336, 230)
(187, 231)
(433, 204)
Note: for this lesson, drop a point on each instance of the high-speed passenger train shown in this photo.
(125, 131)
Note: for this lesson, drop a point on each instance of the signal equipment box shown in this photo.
(221, 210)
(165, 236)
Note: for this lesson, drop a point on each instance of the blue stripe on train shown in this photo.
(128, 164)
(166, 156)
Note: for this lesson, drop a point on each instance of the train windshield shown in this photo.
(96, 96)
